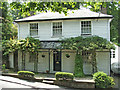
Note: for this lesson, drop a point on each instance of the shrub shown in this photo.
(64, 76)
(102, 80)
(3, 67)
(26, 74)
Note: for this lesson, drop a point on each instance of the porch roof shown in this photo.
(50, 44)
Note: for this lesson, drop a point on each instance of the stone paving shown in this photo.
(26, 83)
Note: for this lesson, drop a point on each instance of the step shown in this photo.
(49, 79)
(48, 82)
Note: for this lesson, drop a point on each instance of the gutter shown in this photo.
(50, 19)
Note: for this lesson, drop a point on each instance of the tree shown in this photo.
(8, 28)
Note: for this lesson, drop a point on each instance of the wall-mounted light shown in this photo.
(43, 56)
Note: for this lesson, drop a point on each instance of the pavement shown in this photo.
(28, 83)
(116, 80)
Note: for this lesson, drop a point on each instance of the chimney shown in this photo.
(103, 10)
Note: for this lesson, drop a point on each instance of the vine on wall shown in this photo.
(91, 43)
(78, 71)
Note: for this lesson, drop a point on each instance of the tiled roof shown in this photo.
(78, 14)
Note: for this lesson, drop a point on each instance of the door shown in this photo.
(57, 60)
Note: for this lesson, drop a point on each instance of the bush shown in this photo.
(26, 74)
(64, 76)
(102, 80)
(3, 67)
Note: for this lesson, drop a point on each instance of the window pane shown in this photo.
(85, 27)
(57, 28)
(33, 32)
(33, 29)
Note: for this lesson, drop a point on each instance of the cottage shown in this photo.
(52, 26)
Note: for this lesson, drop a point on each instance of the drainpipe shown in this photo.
(110, 62)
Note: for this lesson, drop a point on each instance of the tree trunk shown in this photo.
(94, 64)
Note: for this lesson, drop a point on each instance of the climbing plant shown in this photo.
(81, 44)
(28, 44)
(78, 71)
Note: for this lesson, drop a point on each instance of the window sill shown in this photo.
(56, 36)
(35, 36)
(86, 34)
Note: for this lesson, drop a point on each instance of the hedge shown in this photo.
(64, 76)
(27, 74)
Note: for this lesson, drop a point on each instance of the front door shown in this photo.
(57, 60)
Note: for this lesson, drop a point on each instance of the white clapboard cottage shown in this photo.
(52, 26)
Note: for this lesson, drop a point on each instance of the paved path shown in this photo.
(24, 83)
(4, 84)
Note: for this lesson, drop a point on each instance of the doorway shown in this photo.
(57, 60)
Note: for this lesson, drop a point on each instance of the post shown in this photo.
(49, 60)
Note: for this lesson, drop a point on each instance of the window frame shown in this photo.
(113, 54)
(52, 29)
(82, 34)
(33, 30)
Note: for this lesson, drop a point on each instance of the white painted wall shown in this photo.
(28, 65)
(23, 30)
(43, 63)
(71, 28)
(117, 54)
(100, 28)
(11, 60)
(68, 63)
(103, 61)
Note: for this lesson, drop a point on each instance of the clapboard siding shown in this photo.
(71, 28)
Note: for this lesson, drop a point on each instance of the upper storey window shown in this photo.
(33, 29)
(57, 29)
(85, 27)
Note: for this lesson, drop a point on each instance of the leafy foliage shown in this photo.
(28, 44)
(88, 43)
(102, 80)
(64, 76)
(26, 74)
(78, 71)
(31, 8)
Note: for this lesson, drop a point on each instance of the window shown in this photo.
(87, 56)
(57, 29)
(33, 29)
(86, 27)
(32, 57)
(113, 54)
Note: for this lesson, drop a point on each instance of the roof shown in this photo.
(78, 14)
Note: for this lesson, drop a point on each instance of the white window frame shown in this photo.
(52, 28)
(81, 28)
(30, 29)
(113, 54)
